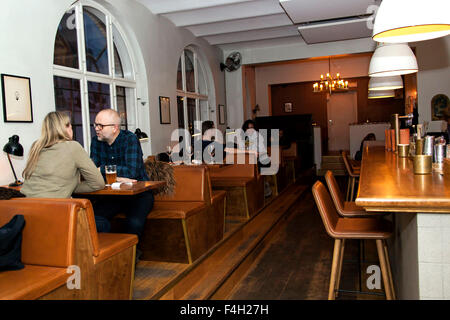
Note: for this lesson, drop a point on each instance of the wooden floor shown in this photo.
(296, 264)
(293, 264)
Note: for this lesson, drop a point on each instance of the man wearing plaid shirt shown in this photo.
(122, 148)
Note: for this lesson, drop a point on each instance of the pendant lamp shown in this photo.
(400, 21)
(381, 94)
(385, 83)
(390, 59)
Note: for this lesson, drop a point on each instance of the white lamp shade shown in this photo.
(381, 94)
(385, 83)
(400, 21)
(392, 59)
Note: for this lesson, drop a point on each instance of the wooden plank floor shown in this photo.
(152, 277)
(296, 264)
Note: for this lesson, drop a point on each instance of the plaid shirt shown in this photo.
(125, 152)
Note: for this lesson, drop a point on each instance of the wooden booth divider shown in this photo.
(185, 225)
(243, 183)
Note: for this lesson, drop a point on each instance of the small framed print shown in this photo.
(16, 93)
(288, 107)
(164, 110)
(221, 114)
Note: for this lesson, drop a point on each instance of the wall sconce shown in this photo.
(142, 136)
(15, 148)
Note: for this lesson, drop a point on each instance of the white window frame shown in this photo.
(84, 76)
(193, 95)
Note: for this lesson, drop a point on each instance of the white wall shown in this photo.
(26, 49)
(283, 52)
(305, 70)
(433, 58)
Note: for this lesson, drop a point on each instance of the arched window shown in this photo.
(192, 91)
(93, 69)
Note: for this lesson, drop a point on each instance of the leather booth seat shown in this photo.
(59, 233)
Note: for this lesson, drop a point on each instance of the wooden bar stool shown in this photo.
(353, 176)
(342, 229)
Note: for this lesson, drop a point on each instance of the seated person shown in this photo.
(56, 163)
(369, 137)
(255, 142)
(211, 148)
(122, 148)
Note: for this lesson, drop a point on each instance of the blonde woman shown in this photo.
(56, 162)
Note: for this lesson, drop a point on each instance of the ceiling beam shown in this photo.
(269, 21)
(253, 35)
(248, 9)
(169, 6)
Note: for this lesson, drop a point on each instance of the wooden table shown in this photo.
(420, 244)
(128, 190)
(387, 183)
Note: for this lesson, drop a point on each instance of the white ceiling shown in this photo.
(242, 22)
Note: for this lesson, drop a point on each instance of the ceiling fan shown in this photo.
(232, 62)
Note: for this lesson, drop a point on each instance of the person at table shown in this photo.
(122, 148)
(254, 141)
(56, 163)
(210, 143)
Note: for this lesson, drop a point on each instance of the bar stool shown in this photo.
(342, 229)
(347, 209)
(353, 176)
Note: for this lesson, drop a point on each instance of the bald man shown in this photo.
(111, 145)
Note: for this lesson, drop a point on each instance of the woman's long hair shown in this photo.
(54, 130)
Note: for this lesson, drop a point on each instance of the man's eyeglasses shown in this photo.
(101, 126)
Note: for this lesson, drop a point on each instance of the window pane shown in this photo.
(189, 66)
(95, 38)
(67, 99)
(204, 110)
(191, 114)
(180, 112)
(179, 76)
(122, 61)
(99, 99)
(122, 106)
(118, 71)
(66, 47)
(202, 88)
(125, 107)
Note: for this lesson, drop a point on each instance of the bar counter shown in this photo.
(387, 183)
(420, 206)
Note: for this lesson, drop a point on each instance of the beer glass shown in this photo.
(111, 174)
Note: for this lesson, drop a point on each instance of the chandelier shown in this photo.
(330, 83)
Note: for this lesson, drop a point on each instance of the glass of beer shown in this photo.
(111, 174)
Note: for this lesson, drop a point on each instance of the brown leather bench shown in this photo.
(59, 233)
(243, 184)
(183, 226)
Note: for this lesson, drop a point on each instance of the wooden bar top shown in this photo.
(128, 189)
(388, 183)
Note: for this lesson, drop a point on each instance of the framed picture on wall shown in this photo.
(440, 107)
(288, 107)
(164, 110)
(221, 114)
(16, 93)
